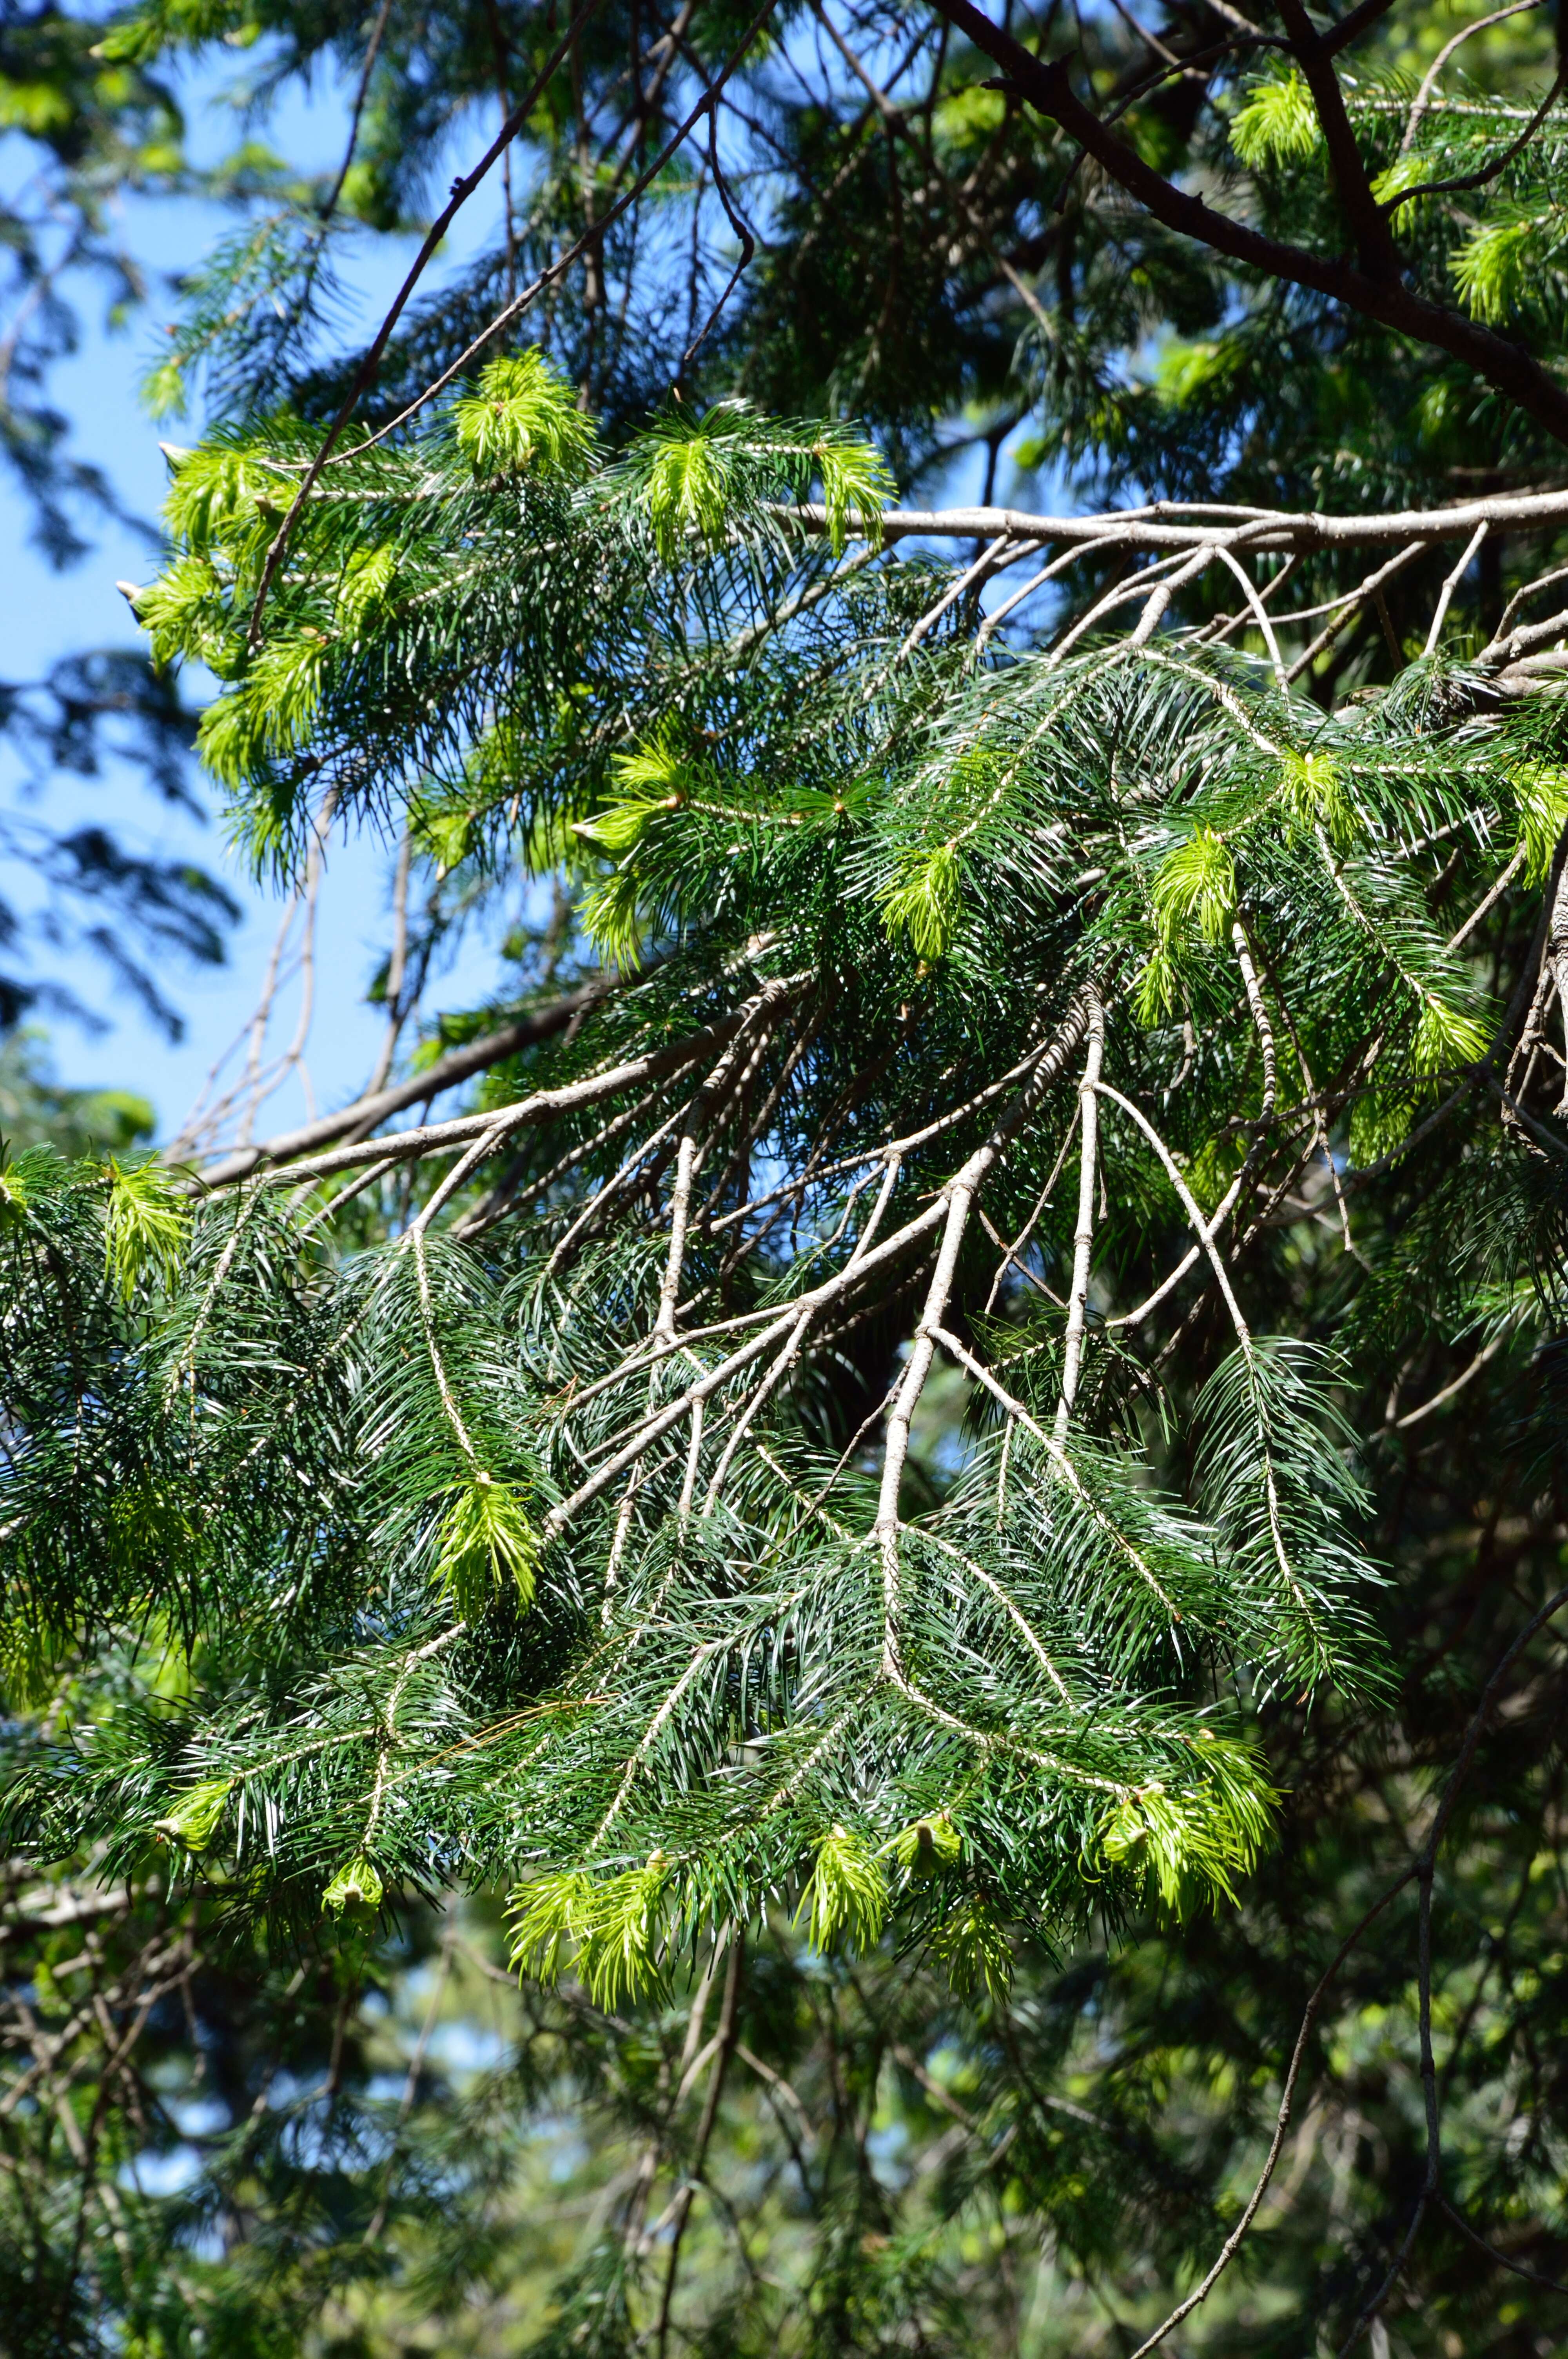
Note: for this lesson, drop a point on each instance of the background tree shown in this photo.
(940, 1848)
(82, 133)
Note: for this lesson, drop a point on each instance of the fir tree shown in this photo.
(1111, 1011)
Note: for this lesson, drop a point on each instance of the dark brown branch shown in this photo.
(1487, 173)
(1047, 87)
(1350, 28)
(1364, 218)
(372, 50)
(1518, 2268)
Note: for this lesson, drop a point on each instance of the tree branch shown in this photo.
(458, 1065)
(1047, 87)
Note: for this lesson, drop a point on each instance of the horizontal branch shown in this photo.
(1174, 524)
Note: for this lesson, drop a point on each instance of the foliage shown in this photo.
(938, 1659)
(35, 1108)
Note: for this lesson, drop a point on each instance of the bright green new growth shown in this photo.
(1406, 173)
(687, 483)
(523, 413)
(971, 1944)
(923, 900)
(648, 787)
(1195, 886)
(1542, 790)
(689, 470)
(622, 825)
(447, 836)
(551, 1910)
(215, 488)
(195, 1819)
(618, 1940)
(1447, 1038)
(1278, 124)
(357, 1885)
(1158, 988)
(12, 1194)
(929, 1843)
(485, 1538)
(1194, 1842)
(1493, 270)
(368, 578)
(646, 782)
(1316, 796)
(856, 487)
(613, 1925)
(145, 1223)
(845, 1902)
